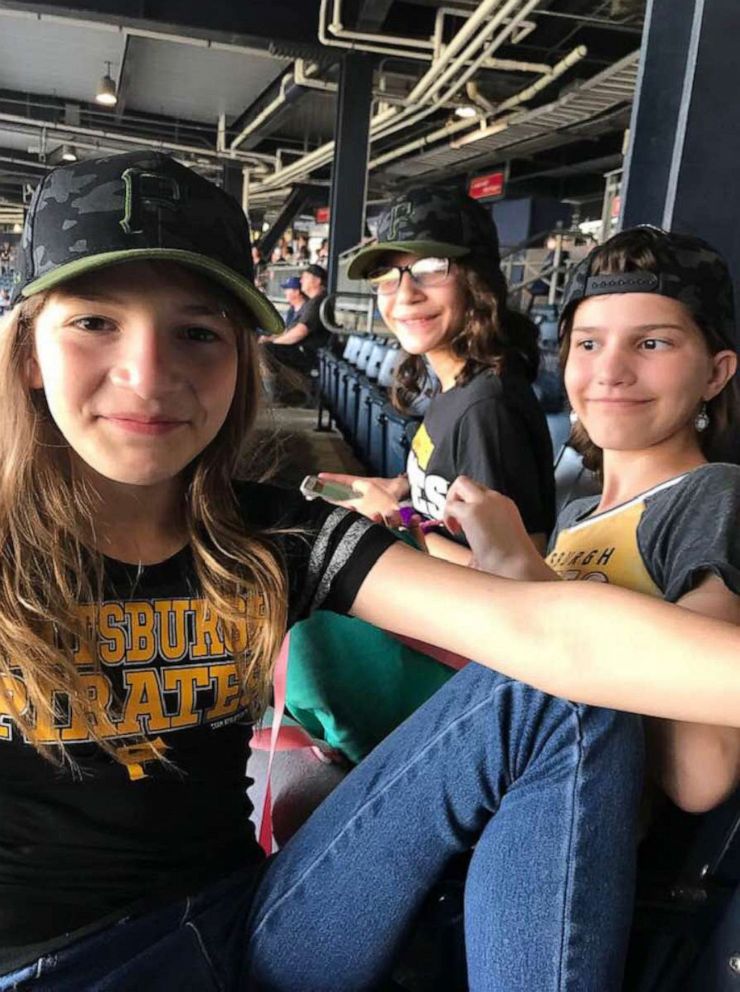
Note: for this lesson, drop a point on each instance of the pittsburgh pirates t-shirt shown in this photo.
(660, 543)
(493, 430)
(78, 847)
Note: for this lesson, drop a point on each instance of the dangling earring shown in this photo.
(573, 418)
(701, 420)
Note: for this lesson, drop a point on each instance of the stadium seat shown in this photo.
(686, 933)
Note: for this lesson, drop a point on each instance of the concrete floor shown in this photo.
(287, 447)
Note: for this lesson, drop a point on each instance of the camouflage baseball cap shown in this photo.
(689, 270)
(133, 207)
(431, 220)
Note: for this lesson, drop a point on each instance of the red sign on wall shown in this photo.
(491, 184)
(321, 215)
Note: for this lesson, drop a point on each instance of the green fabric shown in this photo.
(350, 684)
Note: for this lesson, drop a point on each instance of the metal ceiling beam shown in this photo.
(302, 195)
(372, 14)
(273, 27)
(124, 78)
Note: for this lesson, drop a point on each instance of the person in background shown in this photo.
(322, 255)
(296, 349)
(5, 258)
(296, 298)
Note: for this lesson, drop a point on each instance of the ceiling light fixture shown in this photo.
(68, 153)
(466, 111)
(106, 93)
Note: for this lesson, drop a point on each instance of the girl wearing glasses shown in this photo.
(435, 270)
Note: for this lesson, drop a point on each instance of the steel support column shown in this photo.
(349, 170)
(232, 180)
(683, 163)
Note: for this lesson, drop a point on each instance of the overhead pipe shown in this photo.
(570, 59)
(428, 139)
(494, 128)
(416, 48)
(265, 113)
(131, 139)
(302, 78)
(465, 44)
(464, 12)
(339, 31)
(458, 83)
(459, 50)
(578, 53)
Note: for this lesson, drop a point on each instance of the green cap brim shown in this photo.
(265, 314)
(366, 259)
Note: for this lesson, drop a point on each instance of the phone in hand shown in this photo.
(334, 492)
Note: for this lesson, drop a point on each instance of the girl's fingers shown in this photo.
(345, 480)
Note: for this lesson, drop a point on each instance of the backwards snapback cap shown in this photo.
(689, 270)
(431, 221)
(133, 207)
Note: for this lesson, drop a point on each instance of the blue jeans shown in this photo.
(546, 790)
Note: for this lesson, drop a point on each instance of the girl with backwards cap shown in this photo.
(435, 270)
(648, 341)
(143, 595)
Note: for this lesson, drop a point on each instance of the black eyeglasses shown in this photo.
(424, 272)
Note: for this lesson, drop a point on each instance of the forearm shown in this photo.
(592, 644)
(448, 550)
(291, 336)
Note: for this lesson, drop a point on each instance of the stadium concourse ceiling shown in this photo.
(246, 92)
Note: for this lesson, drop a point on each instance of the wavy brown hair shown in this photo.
(49, 566)
(639, 250)
(492, 336)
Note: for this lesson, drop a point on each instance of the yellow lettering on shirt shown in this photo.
(112, 647)
(172, 623)
(228, 697)
(82, 653)
(143, 711)
(13, 702)
(605, 549)
(207, 639)
(142, 644)
(185, 681)
(99, 692)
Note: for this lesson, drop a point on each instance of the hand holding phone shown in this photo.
(334, 492)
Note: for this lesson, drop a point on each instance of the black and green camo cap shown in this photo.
(430, 221)
(689, 270)
(135, 207)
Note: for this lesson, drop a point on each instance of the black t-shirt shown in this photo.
(310, 315)
(493, 430)
(77, 848)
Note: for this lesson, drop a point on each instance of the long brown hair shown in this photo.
(639, 250)
(491, 335)
(49, 569)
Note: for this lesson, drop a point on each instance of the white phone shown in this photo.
(334, 492)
